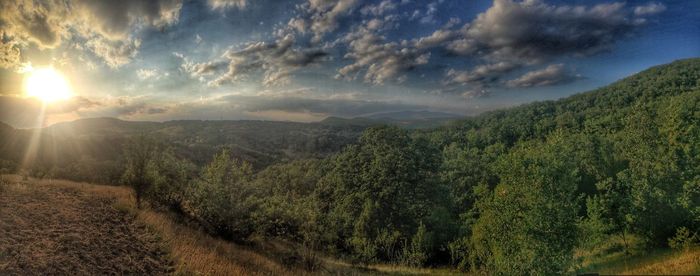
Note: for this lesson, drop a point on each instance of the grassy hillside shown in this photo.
(60, 227)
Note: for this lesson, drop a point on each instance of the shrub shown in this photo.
(139, 154)
(221, 199)
(417, 252)
(683, 239)
(459, 253)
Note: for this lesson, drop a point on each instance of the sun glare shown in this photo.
(46, 84)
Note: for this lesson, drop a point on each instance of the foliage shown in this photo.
(378, 192)
(683, 239)
(138, 155)
(528, 223)
(221, 197)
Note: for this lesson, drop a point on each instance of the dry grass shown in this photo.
(193, 252)
(65, 228)
(198, 253)
(661, 262)
(610, 258)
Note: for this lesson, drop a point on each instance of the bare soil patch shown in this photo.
(49, 228)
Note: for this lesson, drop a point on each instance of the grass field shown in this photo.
(655, 262)
(610, 258)
(63, 227)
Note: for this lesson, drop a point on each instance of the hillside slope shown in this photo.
(63, 228)
(604, 110)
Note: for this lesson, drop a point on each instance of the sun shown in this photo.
(47, 84)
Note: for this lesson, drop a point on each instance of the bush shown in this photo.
(417, 252)
(459, 253)
(222, 200)
(139, 154)
(172, 182)
(683, 239)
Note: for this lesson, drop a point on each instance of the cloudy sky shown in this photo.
(307, 59)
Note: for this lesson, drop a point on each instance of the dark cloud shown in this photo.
(551, 75)
(277, 60)
(9, 55)
(105, 26)
(532, 31)
(116, 19)
(511, 35)
(381, 61)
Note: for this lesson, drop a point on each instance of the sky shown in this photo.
(306, 60)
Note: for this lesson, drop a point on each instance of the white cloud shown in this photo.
(649, 9)
(379, 9)
(326, 13)
(146, 74)
(436, 38)
(551, 75)
(114, 53)
(481, 75)
(226, 4)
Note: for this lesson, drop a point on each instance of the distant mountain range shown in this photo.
(407, 119)
(260, 142)
(421, 115)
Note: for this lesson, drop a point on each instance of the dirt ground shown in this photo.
(52, 229)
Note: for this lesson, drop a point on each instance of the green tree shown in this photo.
(172, 180)
(221, 199)
(138, 155)
(377, 193)
(528, 223)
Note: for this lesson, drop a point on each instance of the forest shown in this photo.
(514, 191)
